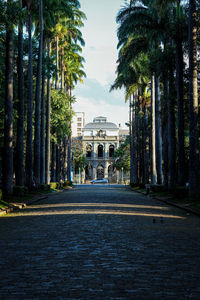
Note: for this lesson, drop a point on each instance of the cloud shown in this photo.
(116, 114)
(92, 89)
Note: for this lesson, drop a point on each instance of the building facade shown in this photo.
(78, 124)
(100, 140)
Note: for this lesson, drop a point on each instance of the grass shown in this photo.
(185, 201)
(3, 204)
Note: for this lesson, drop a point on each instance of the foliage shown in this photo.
(61, 114)
(122, 156)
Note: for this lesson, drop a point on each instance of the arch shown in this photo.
(111, 151)
(100, 171)
(100, 151)
(112, 175)
(88, 151)
(88, 172)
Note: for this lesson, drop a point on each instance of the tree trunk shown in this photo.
(38, 102)
(193, 101)
(42, 134)
(19, 170)
(146, 146)
(58, 162)
(165, 130)
(57, 64)
(131, 141)
(53, 163)
(8, 121)
(135, 175)
(171, 134)
(48, 110)
(153, 133)
(158, 132)
(62, 70)
(29, 142)
(181, 127)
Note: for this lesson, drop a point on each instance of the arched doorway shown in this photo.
(100, 172)
(100, 151)
(88, 172)
(111, 151)
(112, 176)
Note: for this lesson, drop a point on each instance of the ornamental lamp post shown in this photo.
(122, 175)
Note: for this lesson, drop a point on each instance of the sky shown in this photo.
(100, 52)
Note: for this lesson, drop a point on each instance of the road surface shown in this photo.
(100, 242)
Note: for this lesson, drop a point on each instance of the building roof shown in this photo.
(99, 125)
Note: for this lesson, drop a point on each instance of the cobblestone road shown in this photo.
(99, 242)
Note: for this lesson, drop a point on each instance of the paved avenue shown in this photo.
(100, 242)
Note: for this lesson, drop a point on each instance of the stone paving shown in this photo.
(100, 242)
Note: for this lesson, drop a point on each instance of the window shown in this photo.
(111, 151)
(79, 119)
(88, 151)
(100, 151)
(79, 124)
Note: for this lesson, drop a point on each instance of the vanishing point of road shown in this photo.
(100, 242)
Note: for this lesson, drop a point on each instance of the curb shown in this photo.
(187, 209)
(18, 206)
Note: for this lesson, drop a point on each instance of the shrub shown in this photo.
(53, 185)
(1, 194)
(180, 192)
(44, 187)
(19, 190)
(158, 188)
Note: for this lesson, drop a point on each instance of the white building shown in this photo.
(78, 123)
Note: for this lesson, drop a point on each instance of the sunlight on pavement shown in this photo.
(98, 204)
(93, 212)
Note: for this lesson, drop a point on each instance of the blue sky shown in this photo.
(100, 53)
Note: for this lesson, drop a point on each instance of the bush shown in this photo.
(158, 188)
(68, 183)
(1, 194)
(44, 187)
(53, 185)
(19, 190)
(180, 192)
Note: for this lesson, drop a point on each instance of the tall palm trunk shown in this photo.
(42, 132)
(153, 133)
(135, 174)
(181, 126)
(48, 110)
(29, 142)
(53, 163)
(38, 102)
(69, 144)
(158, 132)
(8, 121)
(145, 145)
(131, 141)
(62, 70)
(57, 64)
(193, 100)
(165, 129)
(171, 134)
(19, 170)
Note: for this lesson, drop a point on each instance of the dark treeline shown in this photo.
(158, 66)
(40, 46)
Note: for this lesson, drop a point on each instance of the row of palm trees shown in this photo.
(42, 50)
(157, 65)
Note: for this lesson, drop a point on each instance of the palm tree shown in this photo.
(19, 173)
(8, 121)
(29, 142)
(193, 101)
(38, 101)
